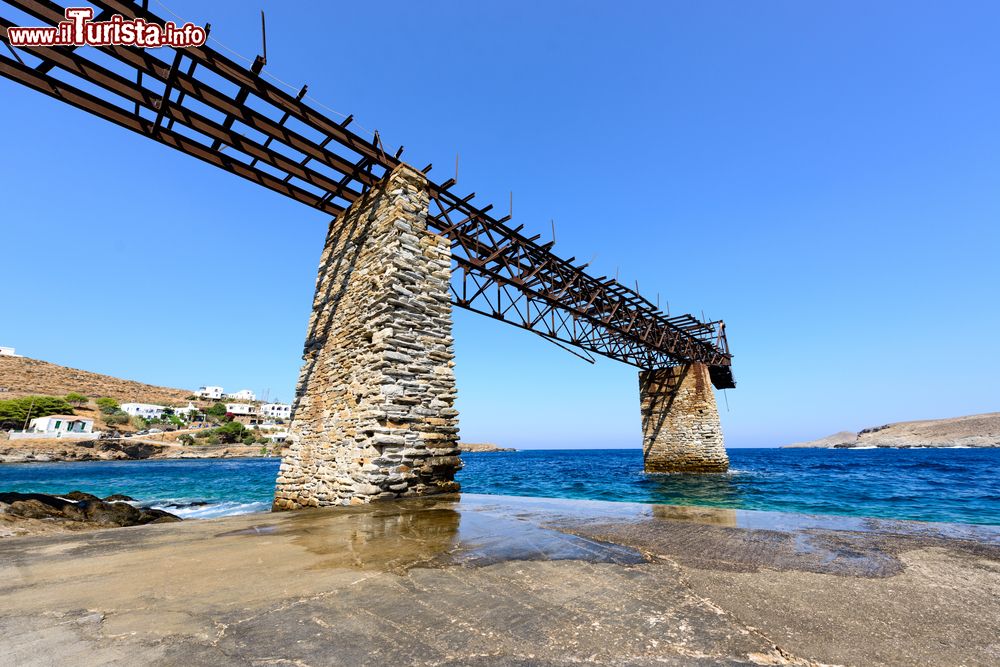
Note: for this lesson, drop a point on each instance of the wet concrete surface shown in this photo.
(490, 580)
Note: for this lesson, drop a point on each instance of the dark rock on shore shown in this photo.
(23, 511)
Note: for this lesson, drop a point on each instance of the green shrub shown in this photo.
(185, 439)
(218, 411)
(115, 418)
(107, 405)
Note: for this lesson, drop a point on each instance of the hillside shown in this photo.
(970, 431)
(21, 376)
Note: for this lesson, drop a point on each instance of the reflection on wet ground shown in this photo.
(482, 530)
(430, 532)
(747, 540)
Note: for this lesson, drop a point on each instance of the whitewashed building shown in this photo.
(243, 395)
(276, 436)
(190, 409)
(144, 410)
(241, 409)
(276, 411)
(57, 425)
(7, 352)
(211, 393)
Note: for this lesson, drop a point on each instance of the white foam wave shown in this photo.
(210, 510)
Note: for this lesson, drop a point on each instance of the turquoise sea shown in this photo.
(956, 485)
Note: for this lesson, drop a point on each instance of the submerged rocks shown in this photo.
(79, 508)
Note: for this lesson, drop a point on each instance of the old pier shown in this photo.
(374, 415)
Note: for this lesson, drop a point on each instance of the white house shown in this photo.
(59, 424)
(7, 352)
(212, 393)
(191, 408)
(276, 436)
(243, 395)
(241, 409)
(276, 410)
(144, 410)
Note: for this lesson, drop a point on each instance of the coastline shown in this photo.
(600, 582)
(60, 450)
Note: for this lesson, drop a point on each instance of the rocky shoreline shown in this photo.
(43, 514)
(51, 451)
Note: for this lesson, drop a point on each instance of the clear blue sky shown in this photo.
(824, 175)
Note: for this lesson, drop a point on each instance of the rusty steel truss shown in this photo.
(202, 103)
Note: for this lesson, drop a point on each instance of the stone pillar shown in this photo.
(373, 417)
(680, 422)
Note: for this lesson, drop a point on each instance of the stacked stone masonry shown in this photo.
(680, 421)
(373, 416)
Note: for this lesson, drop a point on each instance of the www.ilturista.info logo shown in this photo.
(79, 30)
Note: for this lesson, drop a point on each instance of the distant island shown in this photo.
(483, 447)
(970, 431)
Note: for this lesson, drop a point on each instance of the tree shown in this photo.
(107, 405)
(14, 413)
(186, 439)
(231, 432)
(76, 399)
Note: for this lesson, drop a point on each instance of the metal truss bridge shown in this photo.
(202, 103)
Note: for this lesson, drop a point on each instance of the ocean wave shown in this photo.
(200, 509)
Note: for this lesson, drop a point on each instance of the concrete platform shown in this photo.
(489, 580)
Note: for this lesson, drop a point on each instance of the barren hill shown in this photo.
(969, 431)
(21, 376)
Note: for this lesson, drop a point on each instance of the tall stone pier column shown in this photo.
(373, 416)
(680, 421)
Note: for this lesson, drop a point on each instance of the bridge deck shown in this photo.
(198, 101)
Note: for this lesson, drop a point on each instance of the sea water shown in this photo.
(956, 485)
